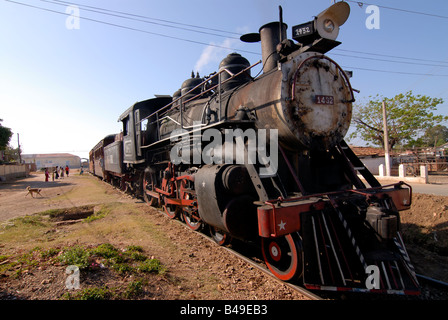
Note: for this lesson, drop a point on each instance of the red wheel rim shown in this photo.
(283, 256)
(170, 210)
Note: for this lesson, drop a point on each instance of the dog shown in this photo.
(32, 191)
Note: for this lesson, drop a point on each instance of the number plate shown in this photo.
(321, 99)
(302, 30)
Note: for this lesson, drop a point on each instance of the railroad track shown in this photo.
(265, 270)
(432, 289)
(261, 267)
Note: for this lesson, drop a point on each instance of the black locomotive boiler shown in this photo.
(263, 159)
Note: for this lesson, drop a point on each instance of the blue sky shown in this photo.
(63, 89)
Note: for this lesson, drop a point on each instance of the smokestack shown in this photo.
(270, 38)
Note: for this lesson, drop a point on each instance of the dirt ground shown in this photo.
(68, 192)
(197, 268)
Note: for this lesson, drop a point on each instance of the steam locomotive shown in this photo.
(263, 159)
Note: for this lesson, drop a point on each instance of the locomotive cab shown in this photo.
(140, 127)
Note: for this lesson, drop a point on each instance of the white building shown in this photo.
(52, 160)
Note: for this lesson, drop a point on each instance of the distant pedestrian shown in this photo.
(56, 171)
(62, 172)
(66, 170)
(47, 175)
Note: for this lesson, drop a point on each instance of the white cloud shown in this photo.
(214, 54)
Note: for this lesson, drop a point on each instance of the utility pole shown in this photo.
(386, 141)
(18, 149)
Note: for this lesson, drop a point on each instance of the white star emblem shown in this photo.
(282, 225)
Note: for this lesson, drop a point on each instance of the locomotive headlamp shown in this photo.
(324, 26)
(328, 25)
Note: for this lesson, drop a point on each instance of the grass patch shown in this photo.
(90, 260)
(24, 229)
(130, 260)
(131, 291)
(103, 212)
(77, 256)
(94, 293)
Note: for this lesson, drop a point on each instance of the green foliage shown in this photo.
(90, 259)
(152, 265)
(434, 137)
(134, 289)
(5, 136)
(408, 117)
(105, 250)
(94, 293)
(77, 256)
(49, 253)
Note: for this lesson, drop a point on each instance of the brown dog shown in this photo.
(32, 191)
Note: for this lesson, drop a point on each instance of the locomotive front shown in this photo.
(302, 93)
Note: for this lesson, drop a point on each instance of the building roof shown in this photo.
(367, 151)
(48, 155)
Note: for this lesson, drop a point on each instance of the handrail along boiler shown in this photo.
(315, 220)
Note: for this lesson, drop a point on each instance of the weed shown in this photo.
(98, 215)
(122, 267)
(134, 289)
(34, 220)
(105, 250)
(94, 293)
(77, 256)
(49, 253)
(133, 248)
(152, 265)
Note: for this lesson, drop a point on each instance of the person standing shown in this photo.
(47, 175)
(66, 170)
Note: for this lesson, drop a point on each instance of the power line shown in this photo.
(397, 72)
(131, 16)
(246, 51)
(144, 19)
(393, 61)
(149, 18)
(359, 3)
(390, 56)
(133, 29)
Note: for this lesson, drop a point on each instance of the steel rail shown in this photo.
(252, 263)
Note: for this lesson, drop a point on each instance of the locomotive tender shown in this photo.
(315, 219)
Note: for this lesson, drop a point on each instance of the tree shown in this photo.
(435, 136)
(5, 136)
(408, 116)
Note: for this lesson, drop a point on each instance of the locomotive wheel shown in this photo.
(149, 181)
(220, 237)
(171, 210)
(192, 218)
(190, 214)
(283, 256)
